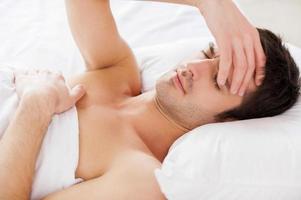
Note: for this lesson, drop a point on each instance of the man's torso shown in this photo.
(106, 137)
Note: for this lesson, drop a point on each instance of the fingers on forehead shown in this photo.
(225, 63)
(240, 67)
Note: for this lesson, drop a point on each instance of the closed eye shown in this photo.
(215, 73)
(215, 82)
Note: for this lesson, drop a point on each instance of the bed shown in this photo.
(252, 159)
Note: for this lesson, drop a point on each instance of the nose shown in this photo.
(185, 72)
(201, 68)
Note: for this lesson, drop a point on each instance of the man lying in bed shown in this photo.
(125, 135)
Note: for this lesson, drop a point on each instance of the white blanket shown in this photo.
(58, 158)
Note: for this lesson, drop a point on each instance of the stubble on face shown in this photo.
(181, 109)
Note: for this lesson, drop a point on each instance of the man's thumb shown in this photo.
(77, 92)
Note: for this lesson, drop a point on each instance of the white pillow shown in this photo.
(155, 60)
(251, 159)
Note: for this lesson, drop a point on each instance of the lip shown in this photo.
(178, 83)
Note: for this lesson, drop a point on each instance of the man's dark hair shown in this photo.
(279, 89)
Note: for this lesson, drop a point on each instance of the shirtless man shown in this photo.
(124, 135)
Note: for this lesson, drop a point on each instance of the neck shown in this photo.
(157, 130)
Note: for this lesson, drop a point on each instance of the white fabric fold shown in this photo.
(58, 157)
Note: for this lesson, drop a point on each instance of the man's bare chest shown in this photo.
(105, 132)
(104, 136)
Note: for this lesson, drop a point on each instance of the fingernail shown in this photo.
(80, 87)
(241, 93)
(233, 90)
(258, 82)
(222, 82)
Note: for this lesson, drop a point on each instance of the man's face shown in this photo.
(190, 95)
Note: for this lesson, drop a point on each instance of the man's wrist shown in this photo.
(206, 6)
(38, 103)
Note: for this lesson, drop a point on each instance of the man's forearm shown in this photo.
(204, 6)
(196, 3)
(19, 149)
(184, 2)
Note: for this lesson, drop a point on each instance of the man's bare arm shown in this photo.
(184, 2)
(41, 94)
(238, 41)
(95, 32)
(19, 148)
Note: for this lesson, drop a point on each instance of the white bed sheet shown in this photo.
(35, 33)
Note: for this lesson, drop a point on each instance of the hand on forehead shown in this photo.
(212, 52)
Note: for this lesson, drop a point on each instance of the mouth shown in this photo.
(178, 83)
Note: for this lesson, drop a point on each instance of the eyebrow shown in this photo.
(211, 48)
(212, 51)
(205, 54)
